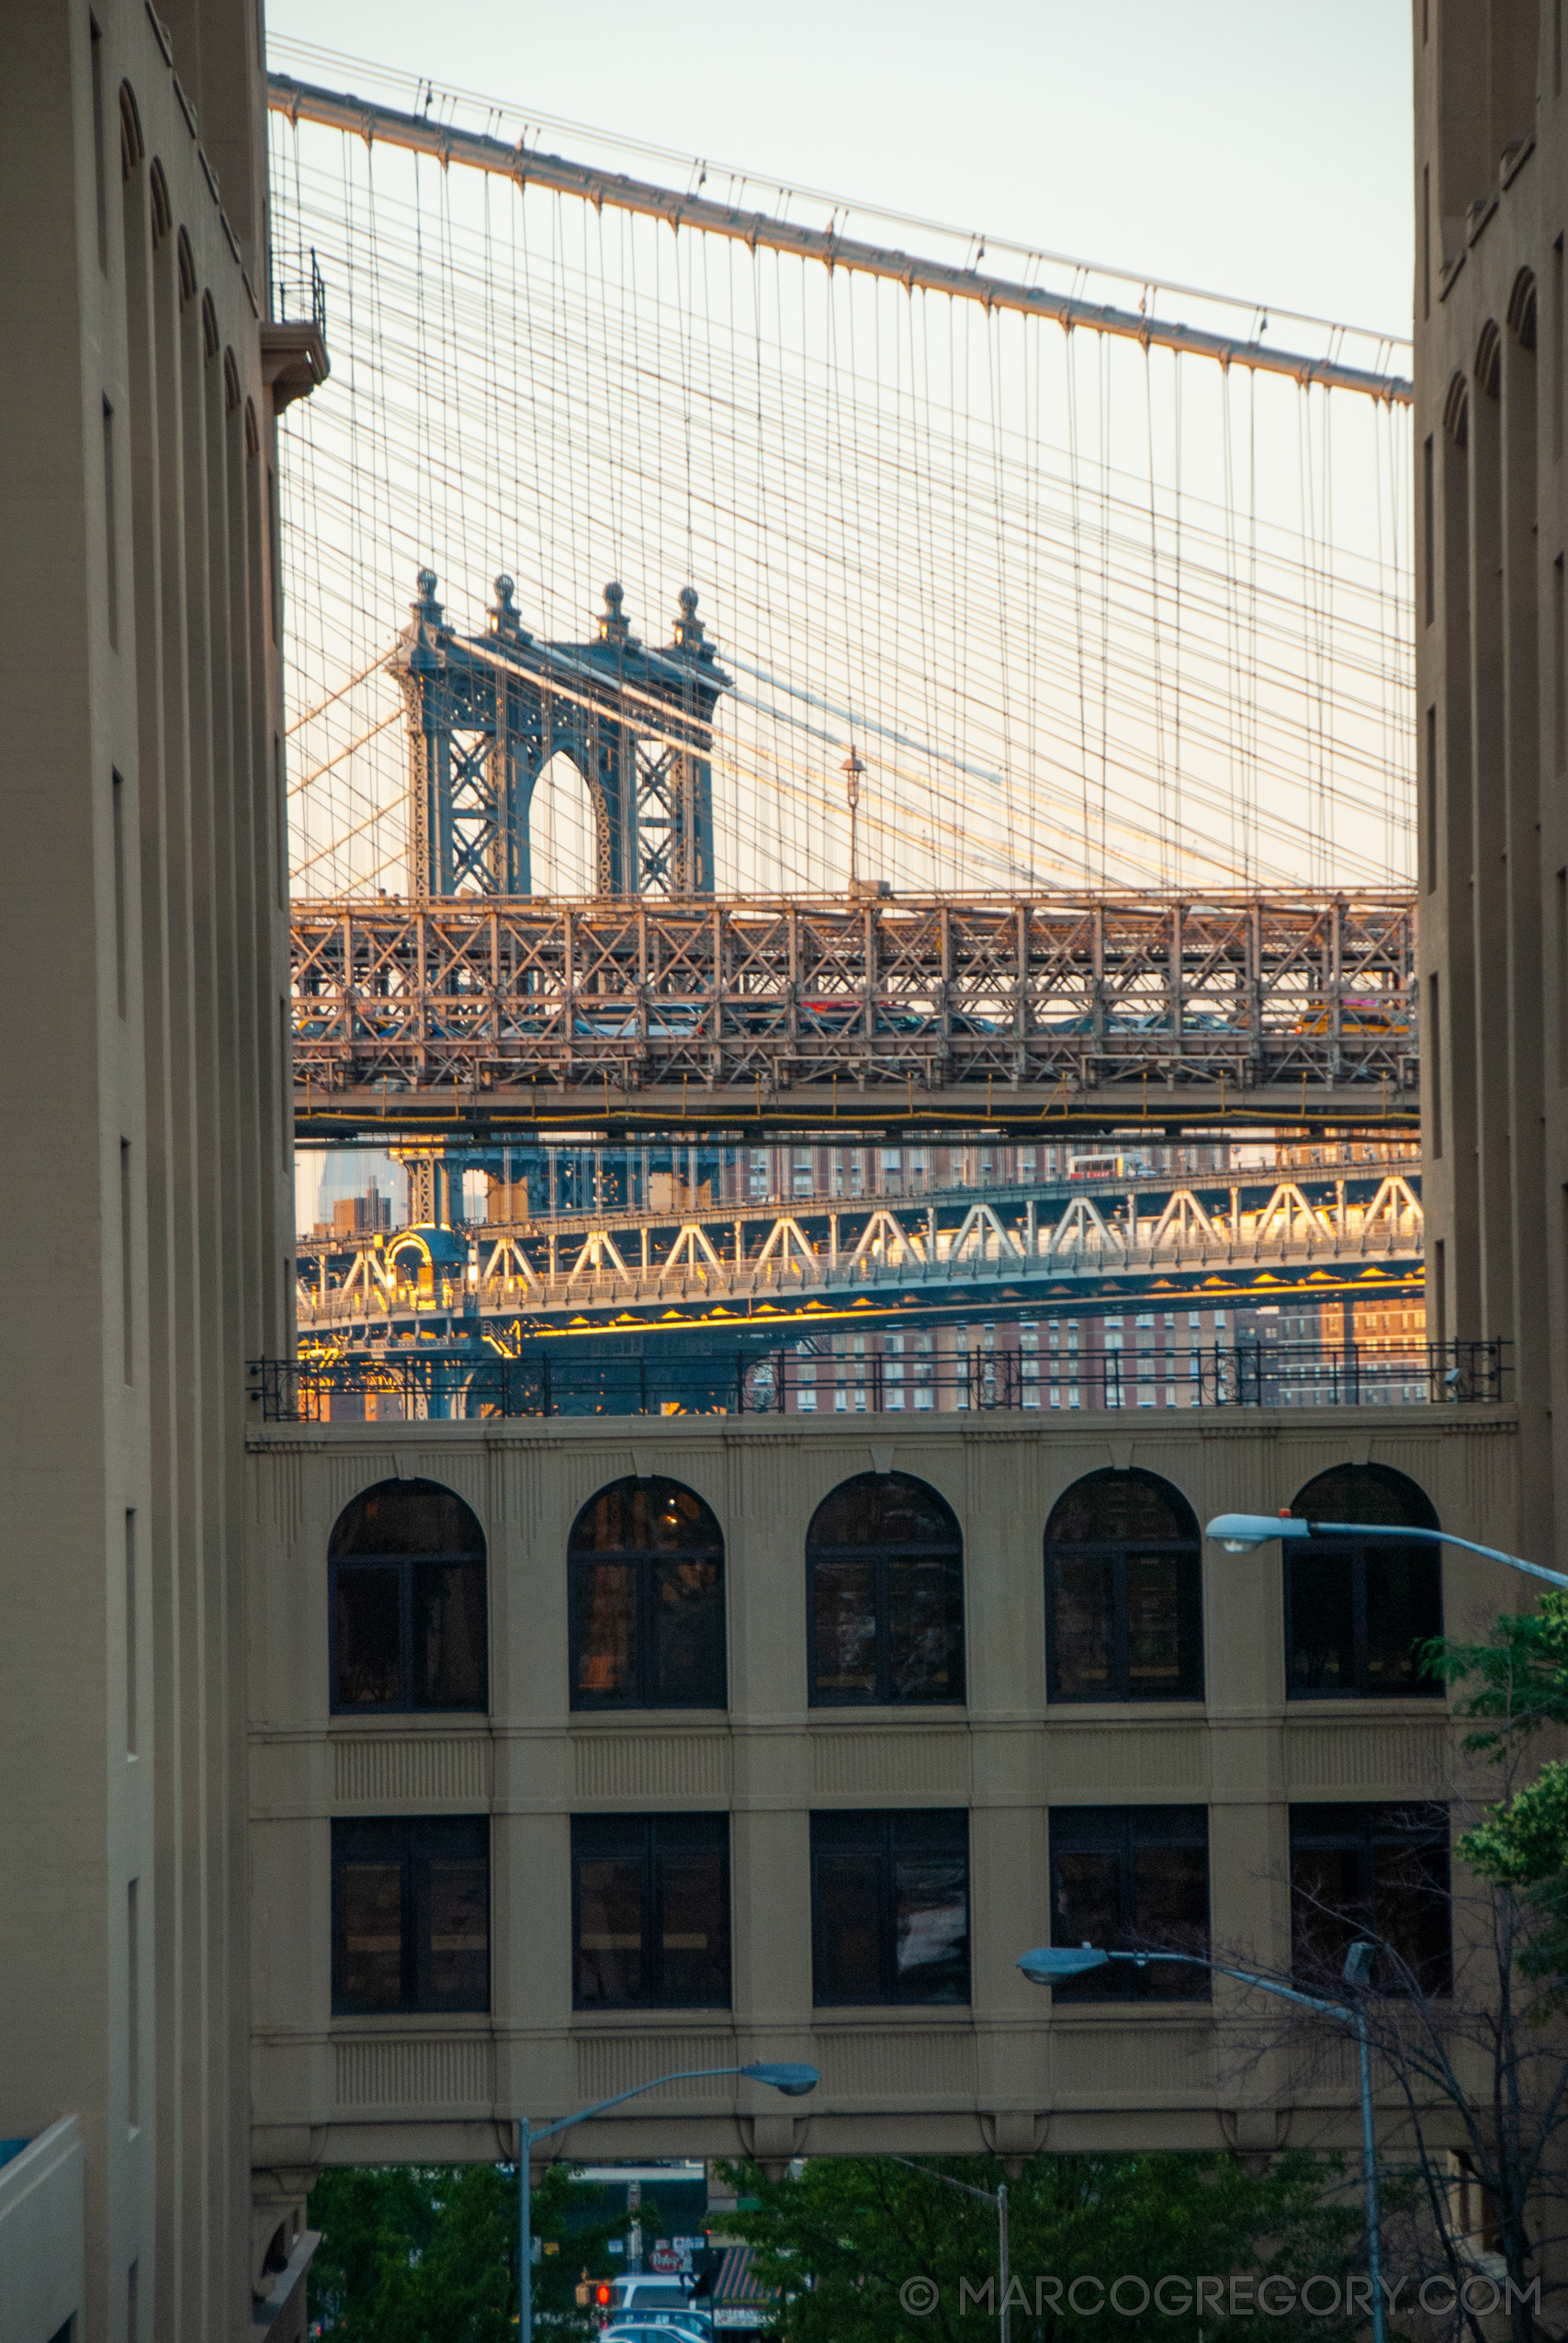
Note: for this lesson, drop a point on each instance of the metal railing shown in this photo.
(428, 1384)
(301, 298)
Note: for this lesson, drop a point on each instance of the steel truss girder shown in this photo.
(1304, 1233)
(813, 1009)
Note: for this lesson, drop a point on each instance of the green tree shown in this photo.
(840, 2241)
(1517, 1683)
(428, 2253)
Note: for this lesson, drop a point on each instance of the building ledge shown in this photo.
(294, 360)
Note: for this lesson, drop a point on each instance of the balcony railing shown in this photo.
(429, 1384)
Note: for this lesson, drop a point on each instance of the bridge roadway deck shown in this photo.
(1050, 1015)
(1347, 1230)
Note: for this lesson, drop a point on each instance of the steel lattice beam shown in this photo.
(908, 1014)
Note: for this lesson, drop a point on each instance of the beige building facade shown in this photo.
(143, 1094)
(1012, 1769)
(320, 1844)
(1492, 642)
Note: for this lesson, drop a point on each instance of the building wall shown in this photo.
(1007, 2069)
(1491, 210)
(142, 1096)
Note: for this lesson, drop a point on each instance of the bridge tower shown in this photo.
(486, 714)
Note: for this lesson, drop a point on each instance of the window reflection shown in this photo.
(645, 1565)
(1130, 1879)
(650, 1902)
(1124, 1590)
(1358, 1610)
(890, 1906)
(406, 1565)
(1372, 1871)
(884, 1578)
(411, 1914)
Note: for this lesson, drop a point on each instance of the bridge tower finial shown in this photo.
(504, 618)
(613, 623)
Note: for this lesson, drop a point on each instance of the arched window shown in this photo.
(1357, 1610)
(646, 1567)
(1124, 1591)
(407, 1565)
(885, 1589)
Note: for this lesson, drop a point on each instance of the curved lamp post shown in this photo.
(1243, 1532)
(999, 2197)
(1051, 1963)
(794, 2081)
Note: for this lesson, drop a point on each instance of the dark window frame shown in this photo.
(1363, 1828)
(645, 1837)
(645, 1563)
(1121, 1831)
(404, 1565)
(1188, 1552)
(885, 1833)
(1362, 1556)
(882, 1557)
(412, 1842)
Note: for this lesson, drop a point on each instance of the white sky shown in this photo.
(1252, 147)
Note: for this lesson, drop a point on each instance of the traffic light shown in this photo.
(602, 2295)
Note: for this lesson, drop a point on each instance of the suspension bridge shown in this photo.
(1040, 758)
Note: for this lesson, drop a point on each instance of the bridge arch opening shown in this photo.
(563, 835)
(1124, 1591)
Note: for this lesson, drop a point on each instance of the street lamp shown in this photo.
(794, 2081)
(1243, 1532)
(999, 2197)
(1051, 1963)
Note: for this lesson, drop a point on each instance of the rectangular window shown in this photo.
(127, 1285)
(1425, 240)
(132, 2010)
(1430, 780)
(111, 538)
(890, 1906)
(408, 1633)
(885, 1626)
(1375, 1870)
(100, 189)
(133, 2308)
(648, 1633)
(1131, 1879)
(130, 1688)
(410, 1914)
(1560, 1003)
(1125, 1622)
(1432, 1060)
(274, 557)
(117, 800)
(650, 1911)
(1560, 667)
(1428, 522)
(1557, 345)
(280, 807)
(1357, 1612)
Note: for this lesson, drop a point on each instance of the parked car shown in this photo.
(646, 2309)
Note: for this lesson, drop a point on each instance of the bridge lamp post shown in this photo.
(1051, 1963)
(1243, 1532)
(794, 2081)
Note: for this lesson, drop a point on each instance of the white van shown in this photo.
(658, 2301)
